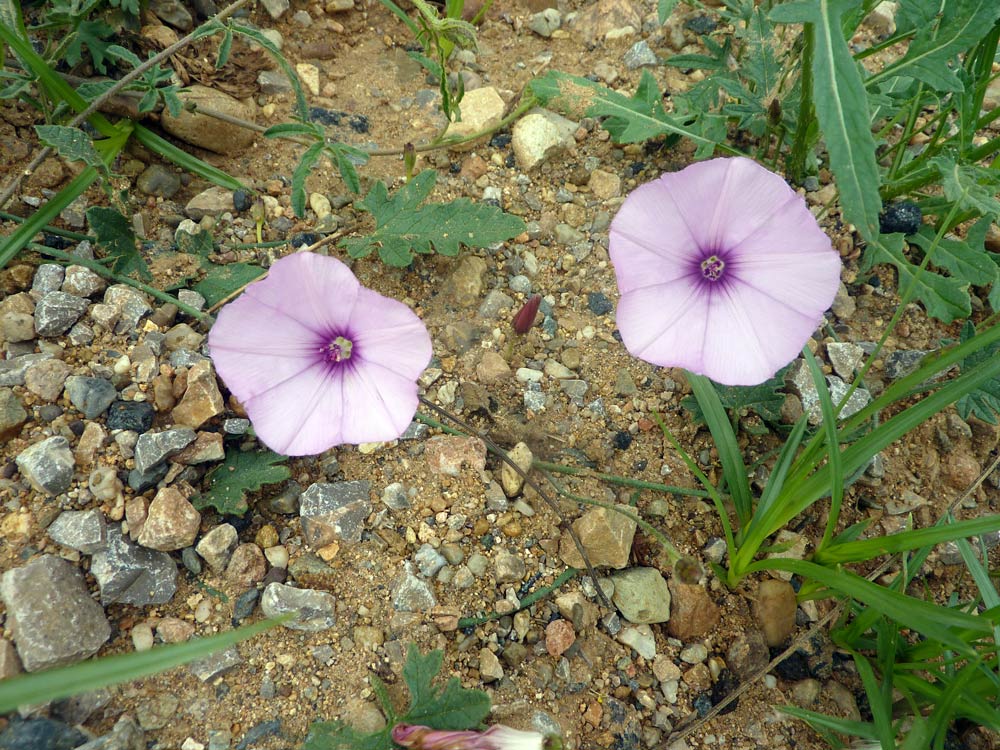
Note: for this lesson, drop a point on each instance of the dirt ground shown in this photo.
(600, 693)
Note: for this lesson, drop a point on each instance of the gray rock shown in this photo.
(845, 358)
(173, 13)
(314, 610)
(217, 546)
(56, 313)
(92, 396)
(17, 326)
(39, 734)
(216, 665)
(509, 568)
(803, 383)
(494, 303)
(410, 593)
(48, 278)
(640, 638)
(48, 465)
(334, 512)
(12, 371)
(46, 379)
(130, 574)
(83, 530)
(53, 618)
(276, 8)
(394, 496)
(130, 305)
(12, 412)
(545, 22)
(82, 282)
(273, 82)
(153, 448)
(158, 180)
(429, 561)
(642, 596)
(640, 55)
(899, 364)
(140, 481)
(78, 708)
(125, 735)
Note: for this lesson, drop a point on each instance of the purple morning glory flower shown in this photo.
(318, 360)
(722, 270)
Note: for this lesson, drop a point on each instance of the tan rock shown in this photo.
(512, 481)
(492, 368)
(172, 522)
(447, 454)
(596, 21)
(606, 536)
(559, 636)
(775, 610)
(693, 614)
(210, 132)
(247, 565)
(207, 446)
(481, 109)
(202, 399)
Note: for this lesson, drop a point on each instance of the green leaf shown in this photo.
(765, 399)
(933, 53)
(115, 235)
(664, 8)
(966, 259)
(221, 281)
(944, 298)
(842, 110)
(92, 34)
(404, 227)
(302, 170)
(972, 187)
(336, 735)
(241, 472)
(54, 684)
(629, 119)
(72, 144)
(984, 402)
(452, 707)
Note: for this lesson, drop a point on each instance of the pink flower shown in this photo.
(318, 360)
(497, 737)
(722, 270)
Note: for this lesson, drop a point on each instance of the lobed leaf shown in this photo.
(222, 280)
(241, 472)
(71, 144)
(114, 234)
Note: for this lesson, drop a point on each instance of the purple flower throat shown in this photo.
(712, 268)
(337, 350)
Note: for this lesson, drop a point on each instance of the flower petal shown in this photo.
(664, 324)
(318, 291)
(388, 333)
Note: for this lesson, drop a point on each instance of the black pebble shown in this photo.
(488, 541)
(40, 734)
(726, 684)
(358, 123)
(242, 200)
(244, 606)
(500, 140)
(794, 668)
(131, 415)
(904, 217)
(49, 412)
(55, 241)
(191, 560)
(622, 439)
(325, 116)
(303, 239)
(510, 161)
(240, 523)
(598, 303)
(700, 25)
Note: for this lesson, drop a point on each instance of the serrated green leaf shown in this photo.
(966, 259)
(93, 35)
(452, 707)
(241, 472)
(765, 399)
(404, 227)
(129, 6)
(932, 54)
(225, 48)
(984, 402)
(972, 187)
(944, 298)
(221, 281)
(628, 119)
(419, 672)
(302, 170)
(200, 243)
(115, 235)
(72, 144)
(336, 735)
(664, 8)
(117, 52)
(842, 110)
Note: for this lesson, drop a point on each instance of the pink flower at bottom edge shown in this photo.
(497, 737)
(318, 360)
(722, 270)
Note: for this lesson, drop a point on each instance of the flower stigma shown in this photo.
(712, 268)
(339, 349)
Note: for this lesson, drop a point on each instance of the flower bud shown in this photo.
(525, 317)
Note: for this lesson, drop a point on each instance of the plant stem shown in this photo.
(527, 601)
(575, 471)
(76, 236)
(109, 274)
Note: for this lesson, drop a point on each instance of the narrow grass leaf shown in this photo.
(833, 465)
(53, 684)
(184, 160)
(842, 110)
(868, 549)
(879, 703)
(834, 724)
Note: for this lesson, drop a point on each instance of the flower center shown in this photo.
(339, 349)
(712, 268)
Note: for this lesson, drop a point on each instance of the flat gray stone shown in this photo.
(48, 278)
(130, 574)
(545, 22)
(56, 313)
(640, 55)
(314, 610)
(334, 512)
(216, 665)
(410, 593)
(153, 448)
(125, 735)
(12, 370)
(91, 396)
(83, 530)
(80, 281)
(130, 305)
(51, 614)
(48, 465)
